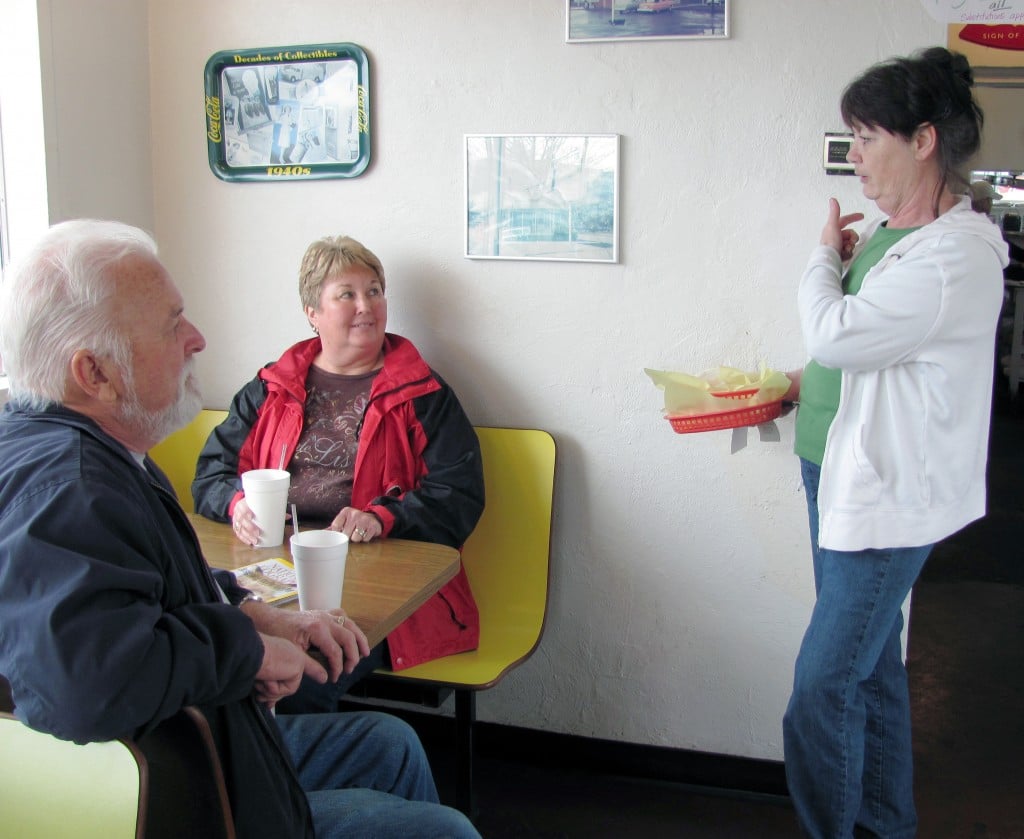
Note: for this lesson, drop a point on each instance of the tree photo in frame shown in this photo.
(645, 20)
(542, 196)
(288, 113)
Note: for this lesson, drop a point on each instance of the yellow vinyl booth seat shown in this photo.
(507, 561)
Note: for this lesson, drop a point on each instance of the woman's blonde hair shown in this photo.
(328, 257)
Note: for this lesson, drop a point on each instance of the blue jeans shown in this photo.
(846, 731)
(365, 775)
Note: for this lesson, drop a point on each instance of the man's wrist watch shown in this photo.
(250, 597)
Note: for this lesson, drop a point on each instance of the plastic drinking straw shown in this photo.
(284, 451)
(295, 520)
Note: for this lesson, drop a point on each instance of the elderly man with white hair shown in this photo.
(112, 619)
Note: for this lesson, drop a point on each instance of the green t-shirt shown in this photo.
(820, 386)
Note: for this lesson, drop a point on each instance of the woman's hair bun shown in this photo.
(953, 62)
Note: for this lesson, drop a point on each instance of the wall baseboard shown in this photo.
(656, 763)
(718, 772)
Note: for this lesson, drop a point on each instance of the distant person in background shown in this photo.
(377, 444)
(983, 194)
(892, 430)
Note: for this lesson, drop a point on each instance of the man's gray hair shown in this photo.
(58, 298)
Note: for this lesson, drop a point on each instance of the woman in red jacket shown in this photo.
(376, 442)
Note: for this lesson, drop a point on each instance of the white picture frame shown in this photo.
(590, 21)
(542, 197)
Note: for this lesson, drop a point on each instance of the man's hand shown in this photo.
(335, 636)
(280, 674)
(835, 234)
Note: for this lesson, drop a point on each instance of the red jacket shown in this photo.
(418, 469)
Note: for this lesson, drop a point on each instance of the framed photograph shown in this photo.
(645, 20)
(546, 196)
(288, 113)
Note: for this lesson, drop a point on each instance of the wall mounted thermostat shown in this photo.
(836, 148)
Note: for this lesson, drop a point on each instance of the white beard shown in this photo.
(156, 425)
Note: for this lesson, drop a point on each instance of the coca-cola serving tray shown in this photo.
(287, 113)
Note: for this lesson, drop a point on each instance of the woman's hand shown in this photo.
(795, 377)
(243, 522)
(358, 525)
(835, 235)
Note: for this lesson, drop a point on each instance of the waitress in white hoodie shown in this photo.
(892, 430)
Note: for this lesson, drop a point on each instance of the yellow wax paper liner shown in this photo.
(686, 394)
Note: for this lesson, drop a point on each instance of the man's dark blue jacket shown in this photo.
(110, 619)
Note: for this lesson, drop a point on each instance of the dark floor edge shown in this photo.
(708, 770)
(659, 763)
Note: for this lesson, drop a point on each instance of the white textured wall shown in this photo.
(96, 108)
(681, 574)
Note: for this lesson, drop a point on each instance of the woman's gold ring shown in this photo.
(361, 532)
(341, 620)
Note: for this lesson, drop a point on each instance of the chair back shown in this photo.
(178, 454)
(507, 555)
(165, 785)
(187, 793)
(62, 790)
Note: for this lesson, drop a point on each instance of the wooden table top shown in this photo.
(385, 580)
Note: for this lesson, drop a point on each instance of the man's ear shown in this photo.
(91, 377)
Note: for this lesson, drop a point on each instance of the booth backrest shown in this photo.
(178, 453)
(506, 557)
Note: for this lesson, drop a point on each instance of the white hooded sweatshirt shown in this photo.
(905, 456)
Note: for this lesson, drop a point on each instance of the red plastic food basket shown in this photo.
(751, 415)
